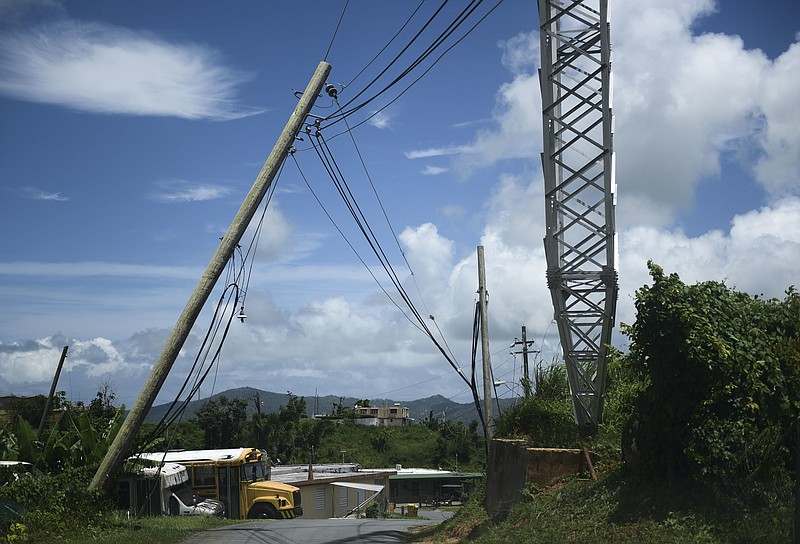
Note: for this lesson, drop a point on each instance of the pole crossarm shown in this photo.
(578, 168)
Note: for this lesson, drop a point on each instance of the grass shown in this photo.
(615, 510)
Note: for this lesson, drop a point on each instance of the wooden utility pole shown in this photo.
(487, 363)
(49, 402)
(526, 381)
(119, 448)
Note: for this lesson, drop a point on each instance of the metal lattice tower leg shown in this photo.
(578, 166)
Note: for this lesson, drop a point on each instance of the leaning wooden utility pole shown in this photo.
(119, 448)
(487, 363)
(49, 402)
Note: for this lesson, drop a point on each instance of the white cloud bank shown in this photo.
(101, 68)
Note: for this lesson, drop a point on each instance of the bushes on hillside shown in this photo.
(720, 375)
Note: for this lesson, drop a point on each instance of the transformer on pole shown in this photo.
(578, 168)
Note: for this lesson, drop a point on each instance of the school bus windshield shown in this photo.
(252, 472)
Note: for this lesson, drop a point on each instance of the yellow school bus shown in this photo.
(240, 479)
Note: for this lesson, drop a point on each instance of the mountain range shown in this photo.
(442, 408)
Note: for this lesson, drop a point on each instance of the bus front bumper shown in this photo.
(291, 513)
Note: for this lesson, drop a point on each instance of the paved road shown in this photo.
(317, 531)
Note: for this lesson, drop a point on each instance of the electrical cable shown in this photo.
(451, 28)
(375, 191)
(337, 29)
(476, 324)
(391, 228)
(230, 298)
(397, 57)
(355, 251)
(396, 34)
(334, 172)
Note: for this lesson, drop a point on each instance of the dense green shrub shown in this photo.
(56, 504)
(720, 372)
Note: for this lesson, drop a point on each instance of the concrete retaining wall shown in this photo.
(513, 464)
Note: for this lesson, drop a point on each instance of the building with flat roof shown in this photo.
(432, 487)
(336, 490)
(392, 416)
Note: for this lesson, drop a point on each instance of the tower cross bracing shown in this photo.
(578, 168)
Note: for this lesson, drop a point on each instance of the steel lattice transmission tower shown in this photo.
(578, 166)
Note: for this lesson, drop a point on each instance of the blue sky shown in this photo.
(131, 132)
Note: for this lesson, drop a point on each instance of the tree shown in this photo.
(431, 422)
(101, 409)
(289, 435)
(720, 370)
(222, 420)
(456, 444)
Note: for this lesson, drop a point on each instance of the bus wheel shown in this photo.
(263, 511)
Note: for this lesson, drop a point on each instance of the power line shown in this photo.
(337, 29)
(379, 53)
(435, 45)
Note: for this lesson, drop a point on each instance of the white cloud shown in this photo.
(453, 211)
(100, 68)
(761, 255)
(95, 268)
(521, 53)
(35, 361)
(37, 194)
(516, 129)
(185, 191)
(779, 169)
(381, 120)
(431, 170)
(435, 152)
(682, 102)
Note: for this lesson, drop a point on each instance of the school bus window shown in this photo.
(253, 472)
(204, 476)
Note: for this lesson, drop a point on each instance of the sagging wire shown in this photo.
(462, 17)
(355, 251)
(173, 414)
(237, 282)
(473, 384)
(389, 223)
(391, 228)
(199, 369)
(393, 61)
(334, 172)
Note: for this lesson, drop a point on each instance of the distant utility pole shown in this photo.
(49, 402)
(119, 448)
(526, 381)
(487, 363)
